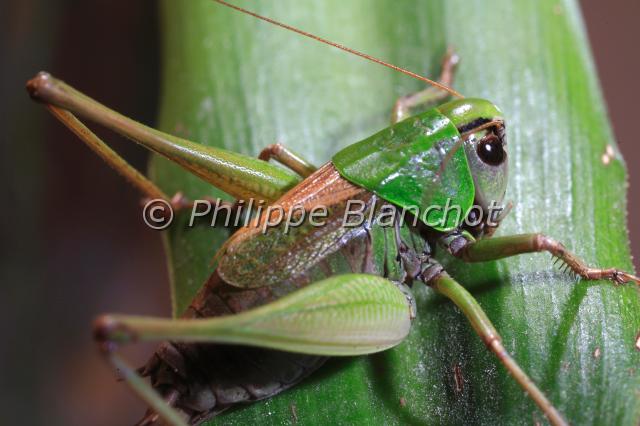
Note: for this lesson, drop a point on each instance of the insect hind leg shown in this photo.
(404, 105)
(277, 152)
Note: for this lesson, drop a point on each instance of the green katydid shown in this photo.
(373, 313)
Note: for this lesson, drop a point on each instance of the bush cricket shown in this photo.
(455, 151)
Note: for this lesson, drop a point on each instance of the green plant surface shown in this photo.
(238, 83)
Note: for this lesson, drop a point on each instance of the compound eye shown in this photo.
(491, 150)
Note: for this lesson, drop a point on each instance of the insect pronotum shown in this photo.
(290, 297)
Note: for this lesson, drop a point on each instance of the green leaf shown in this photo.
(234, 82)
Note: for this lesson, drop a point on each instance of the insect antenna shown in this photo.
(344, 48)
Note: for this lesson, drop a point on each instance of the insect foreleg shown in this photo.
(501, 247)
(447, 286)
(285, 156)
(430, 95)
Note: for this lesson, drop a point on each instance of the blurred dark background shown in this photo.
(73, 244)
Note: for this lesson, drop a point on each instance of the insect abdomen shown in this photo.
(210, 378)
